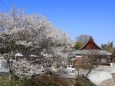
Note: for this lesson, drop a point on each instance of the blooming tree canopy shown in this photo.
(32, 34)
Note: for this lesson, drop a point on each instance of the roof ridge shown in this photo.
(91, 39)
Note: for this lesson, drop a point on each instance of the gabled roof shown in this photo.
(90, 45)
(90, 48)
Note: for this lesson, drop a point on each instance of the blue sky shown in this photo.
(75, 17)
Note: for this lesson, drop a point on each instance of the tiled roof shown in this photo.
(91, 52)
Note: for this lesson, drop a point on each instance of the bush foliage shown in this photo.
(83, 81)
(45, 80)
(35, 81)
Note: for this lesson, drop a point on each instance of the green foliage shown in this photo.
(44, 80)
(5, 81)
(35, 81)
(78, 45)
(48, 81)
(108, 47)
(113, 51)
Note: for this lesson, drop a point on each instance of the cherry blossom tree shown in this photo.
(31, 34)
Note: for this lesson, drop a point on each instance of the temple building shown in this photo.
(90, 50)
